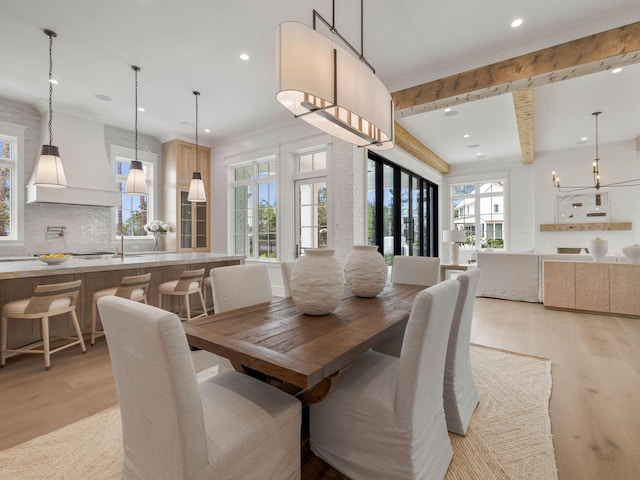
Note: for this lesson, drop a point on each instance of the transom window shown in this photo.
(255, 212)
(479, 208)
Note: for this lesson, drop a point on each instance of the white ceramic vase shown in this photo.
(365, 271)
(317, 282)
(598, 248)
(632, 252)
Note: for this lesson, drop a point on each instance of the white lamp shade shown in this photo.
(196, 189)
(49, 172)
(310, 77)
(136, 183)
(454, 236)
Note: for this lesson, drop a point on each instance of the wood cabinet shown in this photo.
(190, 220)
(611, 288)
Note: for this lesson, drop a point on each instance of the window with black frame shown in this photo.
(402, 210)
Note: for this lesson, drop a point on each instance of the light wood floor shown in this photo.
(595, 401)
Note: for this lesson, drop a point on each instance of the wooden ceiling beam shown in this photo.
(410, 144)
(523, 104)
(613, 48)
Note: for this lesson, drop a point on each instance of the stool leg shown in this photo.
(187, 306)
(3, 340)
(204, 305)
(76, 325)
(45, 342)
(94, 313)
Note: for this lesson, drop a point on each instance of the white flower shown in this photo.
(157, 227)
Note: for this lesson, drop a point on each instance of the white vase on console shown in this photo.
(632, 252)
(598, 248)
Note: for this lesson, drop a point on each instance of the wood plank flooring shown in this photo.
(595, 401)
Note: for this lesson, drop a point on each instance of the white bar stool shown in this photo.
(46, 301)
(132, 288)
(188, 284)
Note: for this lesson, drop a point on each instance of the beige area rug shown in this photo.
(509, 436)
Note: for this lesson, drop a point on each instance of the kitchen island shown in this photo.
(18, 279)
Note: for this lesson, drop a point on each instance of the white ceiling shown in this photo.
(195, 44)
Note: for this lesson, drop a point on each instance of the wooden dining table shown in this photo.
(302, 354)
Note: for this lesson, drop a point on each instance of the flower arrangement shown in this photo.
(157, 227)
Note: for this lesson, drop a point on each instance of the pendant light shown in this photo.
(196, 189)
(136, 183)
(49, 172)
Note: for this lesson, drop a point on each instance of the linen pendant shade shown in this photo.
(331, 89)
(136, 181)
(49, 171)
(196, 187)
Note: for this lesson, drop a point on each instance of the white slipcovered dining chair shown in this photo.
(415, 270)
(286, 268)
(238, 286)
(386, 417)
(227, 426)
(460, 394)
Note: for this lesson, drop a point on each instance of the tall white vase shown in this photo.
(365, 271)
(317, 282)
(598, 248)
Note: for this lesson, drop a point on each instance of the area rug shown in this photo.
(509, 436)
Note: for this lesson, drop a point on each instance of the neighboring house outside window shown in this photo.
(254, 209)
(134, 212)
(8, 187)
(479, 208)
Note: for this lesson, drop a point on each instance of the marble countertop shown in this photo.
(32, 267)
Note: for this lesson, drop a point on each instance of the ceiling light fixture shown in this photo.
(331, 89)
(244, 56)
(136, 182)
(517, 22)
(596, 174)
(616, 70)
(49, 171)
(196, 188)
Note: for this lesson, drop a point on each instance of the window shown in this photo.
(311, 213)
(255, 213)
(479, 207)
(134, 212)
(402, 210)
(8, 209)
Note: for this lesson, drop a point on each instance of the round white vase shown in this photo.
(598, 248)
(365, 271)
(317, 282)
(632, 252)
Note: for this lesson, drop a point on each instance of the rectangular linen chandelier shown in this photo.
(330, 88)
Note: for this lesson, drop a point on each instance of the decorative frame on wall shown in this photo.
(582, 208)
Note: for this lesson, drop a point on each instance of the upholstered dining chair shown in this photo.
(188, 284)
(133, 287)
(286, 268)
(47, 301)
(414, 270)
(460, 394)
(238, 286)
(386, 417)
(229, 426)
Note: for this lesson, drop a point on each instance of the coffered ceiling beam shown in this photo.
(523, 104)
(595, 53)
(412, 146)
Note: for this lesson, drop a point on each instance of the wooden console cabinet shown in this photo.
(608, 288)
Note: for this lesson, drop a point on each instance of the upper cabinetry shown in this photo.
(191, 219)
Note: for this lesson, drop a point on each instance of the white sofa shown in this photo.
(519, 276)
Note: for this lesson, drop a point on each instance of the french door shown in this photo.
(311, 214)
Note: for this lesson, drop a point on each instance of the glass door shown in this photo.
(311, 214)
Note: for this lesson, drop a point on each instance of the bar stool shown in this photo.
(189, 283)
(132, 288)
(47, 301)
(206, 287)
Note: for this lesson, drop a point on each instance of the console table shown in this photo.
(603, 288)
(444, 268)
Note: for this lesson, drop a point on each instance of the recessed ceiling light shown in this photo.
(616, 70)
(466, 135)
(104, 98)
(207, 130)
(54, 81)
(583, 140)
(244, 56)
(141, 109)
(450, 112)
(479, 154)
(517, 22)
(475, 145)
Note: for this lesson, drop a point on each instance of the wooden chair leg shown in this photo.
(204, 305)
(76, 325)
(187, 306)
(3, 340)
(45, 342)
(94, 313)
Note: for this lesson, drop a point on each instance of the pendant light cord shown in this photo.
(197, 94)
(136, 69)
(50, 34)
